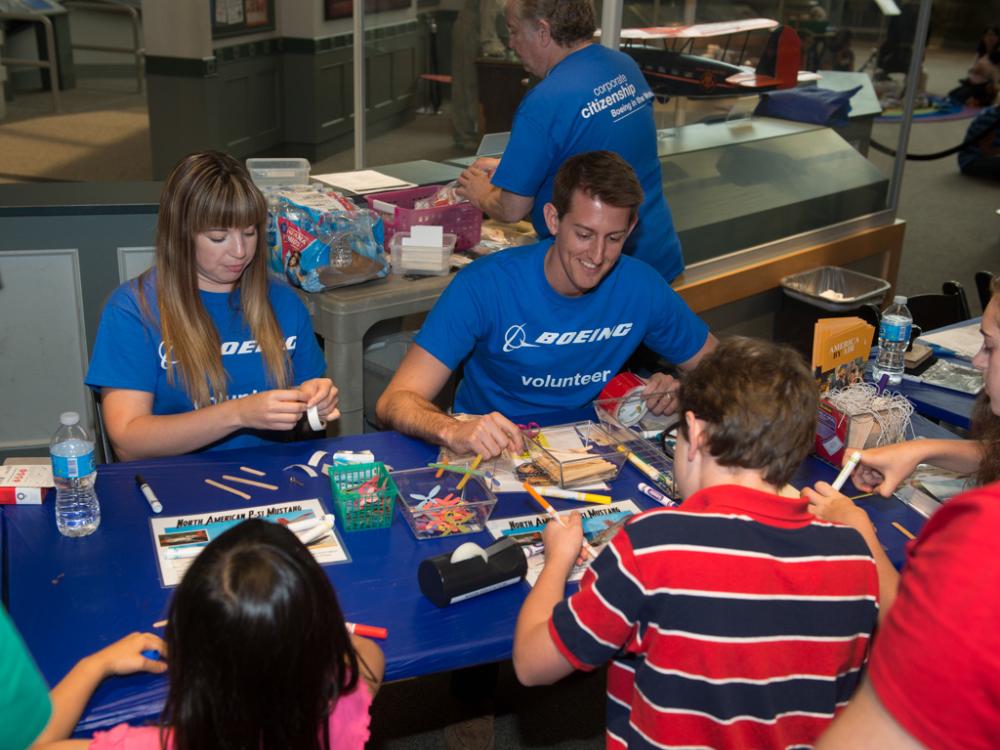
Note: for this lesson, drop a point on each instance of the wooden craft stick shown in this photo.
(160, 624)
(903, 530)
(256, 473)
(251, 482)
(221, 486)
(475, 465)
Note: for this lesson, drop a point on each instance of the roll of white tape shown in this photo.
(315, 421)
(468, 551)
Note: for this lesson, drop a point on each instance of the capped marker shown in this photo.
(655, 494)
(148, 493)
(849, 467)
(368, 631)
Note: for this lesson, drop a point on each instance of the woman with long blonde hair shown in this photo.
(204, 350)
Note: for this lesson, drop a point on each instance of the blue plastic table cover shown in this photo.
(70, 597)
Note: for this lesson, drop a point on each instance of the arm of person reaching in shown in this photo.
(829, 505)
(136, 432)
(406, 406)
(70, 696)
(661, 389)
(882, 470)
(475, 185)
(537, 660)
(371, 662)
(866, 725)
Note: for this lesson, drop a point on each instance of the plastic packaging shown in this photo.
(320, 240)
(78, 512)
(893, 338)
(445, 196)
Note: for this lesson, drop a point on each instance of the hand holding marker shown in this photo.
(555, 516)
(849, 467)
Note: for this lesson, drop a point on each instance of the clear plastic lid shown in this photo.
(69, 418)
(899, 299)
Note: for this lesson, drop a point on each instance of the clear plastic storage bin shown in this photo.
(428, 261)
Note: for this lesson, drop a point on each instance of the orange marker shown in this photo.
(368, 631)
(555, 516)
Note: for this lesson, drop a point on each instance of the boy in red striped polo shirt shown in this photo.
(737, 620)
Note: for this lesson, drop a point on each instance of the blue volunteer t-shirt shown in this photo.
(594, 99)
(129, 352)
(528, 349)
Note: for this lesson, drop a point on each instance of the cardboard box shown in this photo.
(24, 484)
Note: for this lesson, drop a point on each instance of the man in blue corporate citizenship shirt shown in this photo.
(544, 328)
(590, 98)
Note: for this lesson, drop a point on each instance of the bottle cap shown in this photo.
(69, 418)
(899, 299)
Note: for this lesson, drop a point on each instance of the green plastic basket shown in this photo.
(359, 511)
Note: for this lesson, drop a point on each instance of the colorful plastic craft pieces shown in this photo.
(441, 516)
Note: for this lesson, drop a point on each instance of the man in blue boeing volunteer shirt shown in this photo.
(545, 327)
(590, 98)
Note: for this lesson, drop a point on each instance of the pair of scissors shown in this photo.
(531, 429)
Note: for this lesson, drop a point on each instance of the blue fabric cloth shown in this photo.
(808, 104)
(594, 99)
(129, 352)
(977, 128)
(528, 349)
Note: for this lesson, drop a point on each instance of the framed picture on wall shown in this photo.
(344, 8)
(235, 17)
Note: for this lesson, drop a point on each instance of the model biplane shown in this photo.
(665, 56)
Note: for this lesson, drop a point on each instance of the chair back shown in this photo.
(102, 433)
(932, 311)
(984, 280)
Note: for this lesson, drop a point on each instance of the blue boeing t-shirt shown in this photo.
(594, 99)
(529, 349)
(129, 353)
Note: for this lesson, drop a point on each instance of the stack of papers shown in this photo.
(961, 342)
(362, 181)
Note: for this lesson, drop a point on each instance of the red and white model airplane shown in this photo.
(664, 53)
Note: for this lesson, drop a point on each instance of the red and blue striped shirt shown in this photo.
(738, 620)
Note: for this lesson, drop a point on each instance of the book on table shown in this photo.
(840, 351)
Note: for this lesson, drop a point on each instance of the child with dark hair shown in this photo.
(736, 620)
(259, 657)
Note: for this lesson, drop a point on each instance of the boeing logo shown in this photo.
(228, 348)
(516, 338)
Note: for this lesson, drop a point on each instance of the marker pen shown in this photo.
(655, 494)
(146, 490)
(583, 497)
(368, 631)
(849, 467)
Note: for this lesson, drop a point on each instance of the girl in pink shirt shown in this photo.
(257, 655)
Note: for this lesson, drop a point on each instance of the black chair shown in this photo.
(984, 279)
(932, 311)
(102, 434)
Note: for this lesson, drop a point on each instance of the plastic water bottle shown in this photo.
(78, 512)
(893, 338)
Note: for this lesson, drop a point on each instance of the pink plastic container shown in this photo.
(463, 220)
